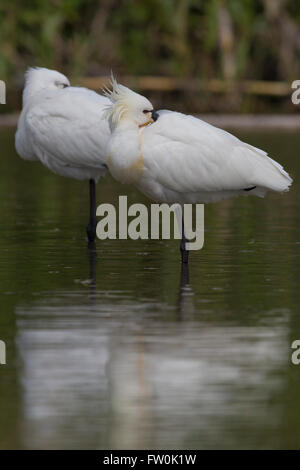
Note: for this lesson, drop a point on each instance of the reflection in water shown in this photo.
(123, 380)
(103, 382)
(185, 297)
(116, 345)
(92, 252)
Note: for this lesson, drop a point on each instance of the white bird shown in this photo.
(177, 158)
(64, 127)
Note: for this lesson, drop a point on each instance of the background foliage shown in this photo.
(227, 39)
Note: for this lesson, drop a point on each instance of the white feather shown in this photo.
(180, 158)
(64, 128)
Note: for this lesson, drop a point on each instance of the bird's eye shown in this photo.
(146, 111)
(61, 85)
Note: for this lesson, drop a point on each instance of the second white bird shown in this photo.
(176, 158)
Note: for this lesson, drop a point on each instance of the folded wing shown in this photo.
(189, 155)
(70, 130)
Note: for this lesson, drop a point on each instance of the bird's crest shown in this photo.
(119, 95)
(125, 103)
(116, 92)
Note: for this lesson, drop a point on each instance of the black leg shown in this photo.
(184, 252)
(91, 228)
(184, 276)
(183, 306)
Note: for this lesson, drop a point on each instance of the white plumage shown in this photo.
(62, 126)
(65, 128)
(179, 158)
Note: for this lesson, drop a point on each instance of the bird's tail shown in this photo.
(269, 173)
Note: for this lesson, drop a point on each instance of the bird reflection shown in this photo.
(113, 375)
(185, 296)
(185, 275)
(92, 254)
(92, 257)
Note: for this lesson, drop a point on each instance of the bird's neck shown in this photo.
(125, 158)
(126, 124)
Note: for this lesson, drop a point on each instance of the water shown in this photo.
(117, 348)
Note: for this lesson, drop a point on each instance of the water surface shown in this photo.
(116, 347)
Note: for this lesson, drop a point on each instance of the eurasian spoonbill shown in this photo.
(177, 158)
(64, 127)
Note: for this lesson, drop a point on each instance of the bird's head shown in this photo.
(38, 79)
(126, 105)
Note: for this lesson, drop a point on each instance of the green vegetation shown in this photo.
(226, 39)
